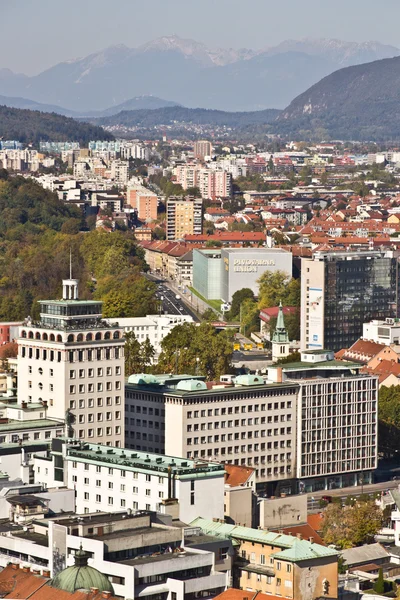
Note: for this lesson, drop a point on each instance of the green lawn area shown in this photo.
(215, 304)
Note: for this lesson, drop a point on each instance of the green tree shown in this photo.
(351, 525)
(379, 584)
(132, 354)
(275, 287)
(147, 354)
(193, 349)
(237, 299)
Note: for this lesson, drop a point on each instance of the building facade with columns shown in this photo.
(73, 360)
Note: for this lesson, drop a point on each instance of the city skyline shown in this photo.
(229, 28)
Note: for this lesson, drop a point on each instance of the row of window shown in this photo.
(237, 409)
(145, 410)
(80, 337)
(99, 386)
(144, 423)
(107, 416)
(97, 354)
(235, 436)
(89, 402)
(122, 473)
(239, 423)
(99, 432)
(100, 372)
(37, 435)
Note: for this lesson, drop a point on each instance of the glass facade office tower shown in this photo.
(342, 290)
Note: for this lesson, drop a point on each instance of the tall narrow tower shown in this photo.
(73, 361)
(280, 339)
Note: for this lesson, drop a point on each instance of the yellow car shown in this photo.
(248, 346)
(236, 346)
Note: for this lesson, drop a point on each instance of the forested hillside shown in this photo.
(34, 256)
(32, 126)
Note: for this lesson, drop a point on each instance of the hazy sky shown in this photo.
(36, 35)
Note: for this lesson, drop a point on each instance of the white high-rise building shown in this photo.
(73, 360)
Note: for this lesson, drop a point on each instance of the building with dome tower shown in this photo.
(72, 361)
(81, 577)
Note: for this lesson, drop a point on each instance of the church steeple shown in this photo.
(280, 338)
(280, 333)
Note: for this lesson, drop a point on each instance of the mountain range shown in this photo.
(355, 103)
(189, 73)
(138, 103)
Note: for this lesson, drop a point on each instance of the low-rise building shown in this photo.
(109, 479)
(278, 564)
(153, 327)
(239, 495)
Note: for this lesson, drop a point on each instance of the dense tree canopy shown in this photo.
(32, 126)
(34, 256)
(352, 525)
(275, 287)
(389, 420)
(196, 350)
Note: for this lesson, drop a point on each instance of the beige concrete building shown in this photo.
(311, 425)
(278, 564)
(184, 217)
(239, 495)
(73, 361)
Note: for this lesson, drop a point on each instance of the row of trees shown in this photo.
(188, 348)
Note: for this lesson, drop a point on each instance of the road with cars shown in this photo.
(173, 301)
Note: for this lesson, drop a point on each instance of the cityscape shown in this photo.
(199, 302)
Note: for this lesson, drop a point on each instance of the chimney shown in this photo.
(46, 573)
(15, 567)
(299, 536)
(26, 569)
(279, 375)
(106, 594)
(311, 540)
(94, 590)
(24, 404)
(281, 531)
(44, 403)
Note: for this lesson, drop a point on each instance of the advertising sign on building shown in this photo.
(316, 318)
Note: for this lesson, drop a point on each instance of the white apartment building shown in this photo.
(109, 479)
(311, 425)
(187, 175)
(73, 361)
(120, 171)
(134, 150)
(382, 332)
(153, 327)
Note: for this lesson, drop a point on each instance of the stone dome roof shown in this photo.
(81, 576)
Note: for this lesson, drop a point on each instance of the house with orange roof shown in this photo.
(367, 352)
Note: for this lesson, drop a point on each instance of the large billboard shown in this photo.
(316, 318)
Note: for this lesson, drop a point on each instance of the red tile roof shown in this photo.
(237, 475)
(306, 531)
(15, 582)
